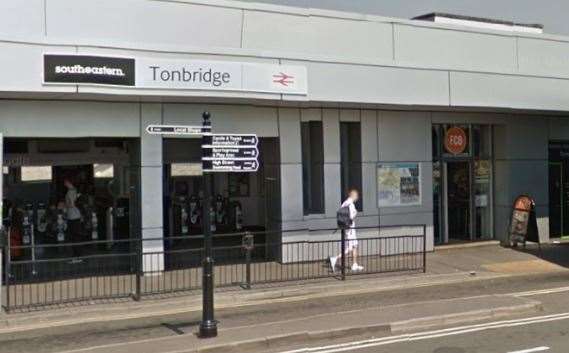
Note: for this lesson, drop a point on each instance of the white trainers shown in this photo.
(356, 267)
(333, 260)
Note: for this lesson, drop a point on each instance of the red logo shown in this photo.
(455, 140)
(283, 79)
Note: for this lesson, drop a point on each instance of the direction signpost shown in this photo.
(229, 153)
(174, 130)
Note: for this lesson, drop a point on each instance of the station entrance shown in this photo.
(58, 192)
(242, 202)
(462, 182)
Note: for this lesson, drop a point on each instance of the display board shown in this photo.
(398, 184)
(523, 222)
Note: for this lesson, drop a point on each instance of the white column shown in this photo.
(151, 190)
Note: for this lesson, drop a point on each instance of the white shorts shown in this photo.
(351, 245)
(352, 242)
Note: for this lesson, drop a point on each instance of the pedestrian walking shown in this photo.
(352, 240)
(73, 218)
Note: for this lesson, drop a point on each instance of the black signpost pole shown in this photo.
(208, 326)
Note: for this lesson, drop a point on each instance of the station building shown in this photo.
(441, 120)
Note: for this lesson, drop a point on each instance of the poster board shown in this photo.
(523, 222)
(398, 184)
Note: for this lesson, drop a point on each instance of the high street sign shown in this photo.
(230, 165)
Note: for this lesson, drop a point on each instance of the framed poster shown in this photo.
(398, 184)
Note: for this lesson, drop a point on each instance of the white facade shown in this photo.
(396, 77)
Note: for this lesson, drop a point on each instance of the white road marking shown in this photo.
(540, 292)
(536, 349)
(430, 334)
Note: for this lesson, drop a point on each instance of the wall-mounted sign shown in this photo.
(77, 69)
(398, 184)
(220, 76)
(175, 74)
(455, 140)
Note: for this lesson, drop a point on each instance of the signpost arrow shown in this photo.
(230, 153)
(175, 130)
(230, 165)
(232, 140)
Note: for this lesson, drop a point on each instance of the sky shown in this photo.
(551, 13)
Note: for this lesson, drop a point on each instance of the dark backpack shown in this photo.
(343, 217)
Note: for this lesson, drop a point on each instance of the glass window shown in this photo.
(312, 167)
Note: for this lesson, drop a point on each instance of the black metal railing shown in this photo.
(54, 274)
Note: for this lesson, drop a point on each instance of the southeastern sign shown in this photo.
(174, 74)
(88, 69)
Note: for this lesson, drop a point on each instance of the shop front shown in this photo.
(462, 182)
(559, 189)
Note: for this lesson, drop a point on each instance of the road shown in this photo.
(547, 333)
(552, 334)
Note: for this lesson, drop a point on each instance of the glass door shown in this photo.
(462, 182)
(458, 200)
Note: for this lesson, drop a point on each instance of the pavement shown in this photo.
(471, 284)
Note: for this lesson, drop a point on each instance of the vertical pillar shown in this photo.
(291, 167)
(151, 190)
(332, 172)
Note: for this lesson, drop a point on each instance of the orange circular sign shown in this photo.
(455, 140)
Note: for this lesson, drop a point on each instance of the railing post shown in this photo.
(248, 269)
(139, 247)
(424, 248)
(8, 269)
(343, 252)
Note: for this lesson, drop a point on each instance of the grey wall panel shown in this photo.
(527, 137)
(443, 48)
(559, 128)
(543, 57)
(369, 192)
(321, 36)
(404, 136)
(517, 177)
(332, 189)
(331, 131)
(151, 145)
(226, 118)
(468, 118)
(376, 84)
(151, 197)
(21, 67)
(22, 18)
(143, 21)
(69, 119)
(506, 91)
(289, 132)
(291, 192)
(369, 136)
(311, 114)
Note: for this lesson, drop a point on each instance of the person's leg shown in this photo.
(75, 235)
